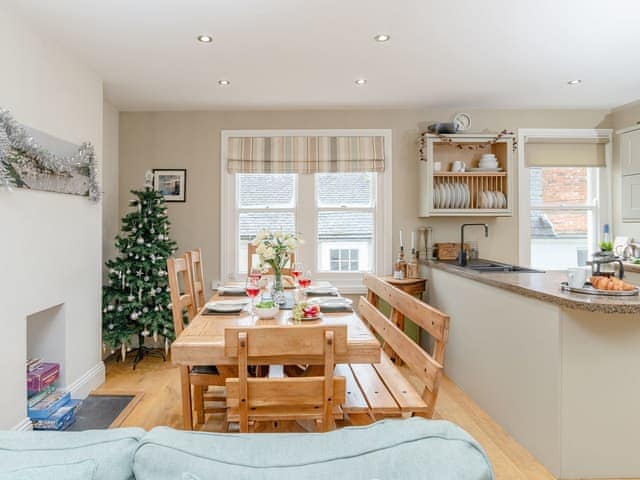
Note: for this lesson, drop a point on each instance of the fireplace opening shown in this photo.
(46, 338)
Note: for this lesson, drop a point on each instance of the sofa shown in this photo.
(407, 449)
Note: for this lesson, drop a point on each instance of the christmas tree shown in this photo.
(136, 300)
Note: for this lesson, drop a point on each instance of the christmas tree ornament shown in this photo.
(139, 240)
(131, 298)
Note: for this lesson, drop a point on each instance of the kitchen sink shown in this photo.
(499, 267)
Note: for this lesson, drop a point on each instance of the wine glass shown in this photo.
(297, 270)
(252, 289)
(304, 281)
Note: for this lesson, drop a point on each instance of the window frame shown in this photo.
(602, 202)
(306, 224)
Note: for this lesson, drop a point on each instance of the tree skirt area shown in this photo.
(104, 411)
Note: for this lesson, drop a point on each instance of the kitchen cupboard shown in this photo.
(629, 151)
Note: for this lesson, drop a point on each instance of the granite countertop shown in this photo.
(544, 286)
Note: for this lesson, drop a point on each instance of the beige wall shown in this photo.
(192, 140)
(110, 167)
(622, 117)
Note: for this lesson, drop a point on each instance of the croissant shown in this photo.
(606, 283)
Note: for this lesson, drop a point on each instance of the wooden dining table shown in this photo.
(202, 342)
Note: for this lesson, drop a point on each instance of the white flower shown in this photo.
(291, 243)
(260, 236)
(269, 253)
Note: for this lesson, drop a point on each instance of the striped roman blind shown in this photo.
(305, 154)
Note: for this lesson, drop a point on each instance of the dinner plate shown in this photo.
(232, 289)
(493, 201)
(333, 300)
(310, 319)
(322, 290)
(227, 305)
(448, 196)
(460, 195)
(467, 194)
(436, 197)
(503, 200)
(486, 169)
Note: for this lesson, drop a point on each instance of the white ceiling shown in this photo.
(307, 53)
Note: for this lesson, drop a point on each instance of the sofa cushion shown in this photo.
(73, 471)
(111, 450)
(392, 449)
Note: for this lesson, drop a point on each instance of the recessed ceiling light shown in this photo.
(224, 82)
(205, 38)
(361, 81)
(382, 37)
(574, 82)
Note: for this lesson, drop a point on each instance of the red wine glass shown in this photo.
(252, 289)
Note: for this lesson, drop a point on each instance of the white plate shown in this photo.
(227, 305)
(448, 196)
(503, 200)
(459, 195)
(310, 319)
(454, 196)
(478, 169)
(436, 197)
(333, 300)
(467, 195)
(232, 289)
(322, 290)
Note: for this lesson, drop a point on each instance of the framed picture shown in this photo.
(171, 183)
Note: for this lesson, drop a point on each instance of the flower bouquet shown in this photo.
(274, 250)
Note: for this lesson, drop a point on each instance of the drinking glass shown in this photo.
(297, 270)
(304, 281)
(253, 289)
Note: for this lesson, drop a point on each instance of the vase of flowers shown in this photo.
(274, 250)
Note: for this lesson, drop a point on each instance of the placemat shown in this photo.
(212, 313)
(314, 294)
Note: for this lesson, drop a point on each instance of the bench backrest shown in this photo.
(427, 368)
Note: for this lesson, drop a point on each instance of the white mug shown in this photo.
(576, 277)
(457, 166)
(437, 166)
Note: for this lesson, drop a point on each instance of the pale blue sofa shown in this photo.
(392, 449)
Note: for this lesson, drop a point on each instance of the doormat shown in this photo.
(100, 411)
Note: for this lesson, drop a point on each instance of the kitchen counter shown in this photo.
(546, 287)
(541, 361)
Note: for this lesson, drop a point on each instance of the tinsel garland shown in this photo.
(466, 146)
(20, 141)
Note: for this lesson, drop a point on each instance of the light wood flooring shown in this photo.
(161, 406)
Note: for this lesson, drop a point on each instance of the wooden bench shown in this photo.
(375, 391)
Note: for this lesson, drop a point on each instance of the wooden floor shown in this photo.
(161, 406)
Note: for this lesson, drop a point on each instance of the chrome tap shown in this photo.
(462, 258)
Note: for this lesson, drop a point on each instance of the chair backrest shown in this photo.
(311, 398)
(428, 368)
(194, 258)
(179, 273)
(251, 251)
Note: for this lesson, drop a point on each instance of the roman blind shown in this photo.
(565, 151)
(305, 154)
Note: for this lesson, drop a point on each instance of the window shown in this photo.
(344, 259)
(340, 216)
(563, 203)
(564, 197)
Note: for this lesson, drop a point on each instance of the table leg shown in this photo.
(187, 415)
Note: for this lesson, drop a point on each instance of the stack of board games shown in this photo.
(48, 408)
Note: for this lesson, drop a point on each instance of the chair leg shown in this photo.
(198, 403)
(186, 398)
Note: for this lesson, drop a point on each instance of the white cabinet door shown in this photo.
(631, 198)
(630, 152)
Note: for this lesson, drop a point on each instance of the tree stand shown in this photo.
(143, 351)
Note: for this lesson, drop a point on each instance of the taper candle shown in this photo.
(413, 240)
(401, 244)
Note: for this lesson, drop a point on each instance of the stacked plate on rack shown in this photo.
(451, 195)
(492, 200)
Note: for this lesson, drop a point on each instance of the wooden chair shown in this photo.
(199, 376)
(290, 398)
(251, 250)
(194, 258)
(381, 390)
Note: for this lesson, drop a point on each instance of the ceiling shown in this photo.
(308, 53)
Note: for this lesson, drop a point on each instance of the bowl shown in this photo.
(265, 313)
(443, 128)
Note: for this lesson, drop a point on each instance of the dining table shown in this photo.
(202, 342)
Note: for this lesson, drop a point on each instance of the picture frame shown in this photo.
(171, 183)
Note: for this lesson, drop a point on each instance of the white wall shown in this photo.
(49, 243)
(110, 213)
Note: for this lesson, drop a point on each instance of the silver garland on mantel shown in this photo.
(14, 137)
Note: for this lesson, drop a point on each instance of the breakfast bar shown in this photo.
(544, 363)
